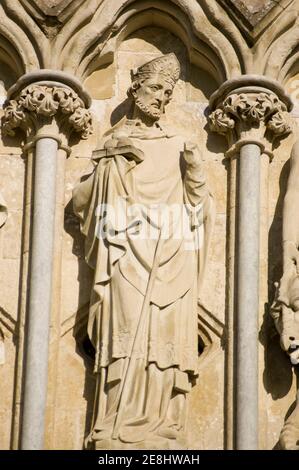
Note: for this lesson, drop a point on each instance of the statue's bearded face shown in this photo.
(152, 95)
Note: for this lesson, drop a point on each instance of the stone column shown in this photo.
(48, 106)
(251, 112)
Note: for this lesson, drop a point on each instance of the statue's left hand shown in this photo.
(192, 155)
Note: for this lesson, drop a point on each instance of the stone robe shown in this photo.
(166, 358)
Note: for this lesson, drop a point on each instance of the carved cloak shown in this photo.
(122, 263)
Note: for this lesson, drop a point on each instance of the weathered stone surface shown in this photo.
(51, 14)
(101, 83)
(12, 236)
(207, 411)
(9, 277)
(12, 185)
(54, 7)
(74, 401)
(7, 391)
(253, 17)
(254, 10)
(5, 424)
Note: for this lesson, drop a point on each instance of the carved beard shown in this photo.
(146, 109)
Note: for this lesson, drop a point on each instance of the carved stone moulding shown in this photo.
(253, 17)
(47, 93)
(51, 15)
(250, 108)
(51, 7)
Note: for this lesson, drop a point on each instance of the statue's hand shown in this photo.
(192, 155)
(124, 142)
(121, 136)
(117, 140)
(119, 144)
(110, 143)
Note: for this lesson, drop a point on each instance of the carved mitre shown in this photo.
(166, 65)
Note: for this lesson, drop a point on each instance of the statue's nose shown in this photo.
(159, 95)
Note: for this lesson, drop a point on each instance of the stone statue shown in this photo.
(285, 309)
(146, 213)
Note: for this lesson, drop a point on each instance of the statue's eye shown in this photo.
(154, 88)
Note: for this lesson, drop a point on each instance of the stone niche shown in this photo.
(71, 380)
(73, 384)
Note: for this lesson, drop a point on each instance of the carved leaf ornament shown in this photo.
(47, 101)
(252, 109)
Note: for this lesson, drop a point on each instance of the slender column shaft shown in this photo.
(230, 307)
(36, 371)
(50, 96)
(56, 302)
(248, 297)
(234, 114)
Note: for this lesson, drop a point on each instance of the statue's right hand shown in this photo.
(125, 142)
(118, 141)
(110, 143)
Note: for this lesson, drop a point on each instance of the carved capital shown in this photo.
(244, 111)
(250, 108)
(40, 100)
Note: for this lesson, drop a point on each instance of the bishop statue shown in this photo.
(146, 213)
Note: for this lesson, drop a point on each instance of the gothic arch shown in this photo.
(206, 45)
(16, 48)
(283, 52)
(82, 37)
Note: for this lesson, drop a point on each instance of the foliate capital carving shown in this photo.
(41, 100)
(240, 112)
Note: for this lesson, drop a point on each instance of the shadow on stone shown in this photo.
(277, 373)
(84, 348)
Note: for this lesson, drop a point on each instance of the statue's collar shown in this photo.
(139, 130)
(135, 128)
